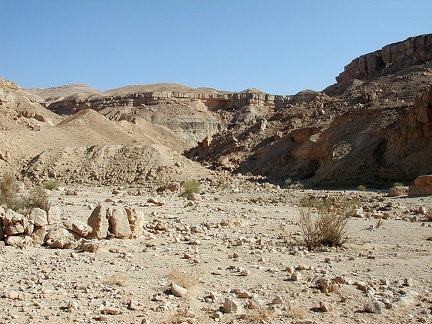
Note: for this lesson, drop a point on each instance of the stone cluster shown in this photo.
(44, 228)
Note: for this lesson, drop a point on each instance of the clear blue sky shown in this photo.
(277, 46)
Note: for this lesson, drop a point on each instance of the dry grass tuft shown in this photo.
(296, 312)
(259, 314)
(185, 280)
(324, 222)
(118, 279)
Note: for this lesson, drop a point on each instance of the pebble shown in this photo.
(296, 276)
(325, 307)
(177, 290)
(373, 307)
(230, 306)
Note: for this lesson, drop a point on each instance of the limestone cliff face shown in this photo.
(190, 114)
(390, 59)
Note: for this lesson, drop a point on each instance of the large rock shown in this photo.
(54, 214)
(39, 217)
(14, 223)
(38, 235)
(422, 186)
(136, 222)
(119, 223)
(98, 221)
(61, 238)
(21, 240)
(81, 228)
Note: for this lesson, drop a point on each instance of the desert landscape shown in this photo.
(169, 204)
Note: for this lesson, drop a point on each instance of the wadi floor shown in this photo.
(237, 245)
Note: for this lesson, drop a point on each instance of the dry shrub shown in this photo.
(118, 279)
(51, 184)
(38, 198)
(8, 189)
(185, 280)
(10, 196)
(259, 314)
(324, 222)
(296, 312)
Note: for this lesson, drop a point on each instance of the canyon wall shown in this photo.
(390, 59)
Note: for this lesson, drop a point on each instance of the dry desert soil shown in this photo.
(237, 251)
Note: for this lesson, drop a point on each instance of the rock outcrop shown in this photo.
(390, 59)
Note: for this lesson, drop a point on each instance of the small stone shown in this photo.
(373, 307)
(326, 307)
(296, 276)
(12, 294)
(301, 267)
(89, 245)
(111, 311)
(177, 290)
(244, 273)
(278, 300)
(132, 305)
(72, 304)
(230, 306)
(410, 282)
(327, 285)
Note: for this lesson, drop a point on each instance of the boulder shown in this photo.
(81, 228)
(21, 240)
(39, 217)
(422, 186)
(136, 222)
(53, 215)
(61, 238)
(38, 235)
(119, 223)
(98, 221)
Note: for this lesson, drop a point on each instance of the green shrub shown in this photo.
(51, 184)
(398, 184)
(361, 188)
(191, 187)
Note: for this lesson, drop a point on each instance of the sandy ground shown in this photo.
(238, 242)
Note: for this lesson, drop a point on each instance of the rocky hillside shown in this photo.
(371, 127)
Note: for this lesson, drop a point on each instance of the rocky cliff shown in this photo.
(373, 127)
(389, 60)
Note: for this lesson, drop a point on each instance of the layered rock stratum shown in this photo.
(372, 126)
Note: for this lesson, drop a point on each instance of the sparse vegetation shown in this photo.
(8, 189)
(38, 198)
(296, 312)
(118, 279)
(51, 184)
(361, 188)
(259, 314)
(186, 280)
(10, 196)
(323, 221)
(287, 182)
(191, 187)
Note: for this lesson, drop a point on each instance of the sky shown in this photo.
(277, 46)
